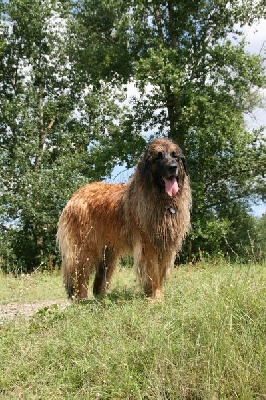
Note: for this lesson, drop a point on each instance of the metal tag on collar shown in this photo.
(172, 210)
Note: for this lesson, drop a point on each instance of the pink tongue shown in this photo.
(171, 186)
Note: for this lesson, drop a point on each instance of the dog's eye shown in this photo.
(159, 155)
(174, 154)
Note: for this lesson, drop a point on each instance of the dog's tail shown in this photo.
(68, 254)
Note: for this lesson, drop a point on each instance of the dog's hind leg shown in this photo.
(76, 283)
(104, 271)
(77, 269)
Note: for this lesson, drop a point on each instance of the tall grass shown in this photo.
(31, 288)
(207, 340)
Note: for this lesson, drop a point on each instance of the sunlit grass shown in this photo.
(207, 340)
(34, 287)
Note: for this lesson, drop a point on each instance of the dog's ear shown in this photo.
(184, 162)
(145, 161)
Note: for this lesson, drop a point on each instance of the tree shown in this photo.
(57, 130)
(36, 100)
(201, 82)
(64, 119)
(261, 237)
(100, 30)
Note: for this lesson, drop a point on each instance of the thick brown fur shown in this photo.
(103, 221)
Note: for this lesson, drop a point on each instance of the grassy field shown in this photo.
(207, 340)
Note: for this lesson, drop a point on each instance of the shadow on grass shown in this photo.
(48, 316)
(116, 296)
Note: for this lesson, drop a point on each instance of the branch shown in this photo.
(50, 125)
(42, 140)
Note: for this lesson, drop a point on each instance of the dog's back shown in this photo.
(91, 221)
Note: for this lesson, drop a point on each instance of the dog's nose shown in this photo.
(173, 168)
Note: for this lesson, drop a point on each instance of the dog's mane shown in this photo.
(162, 218)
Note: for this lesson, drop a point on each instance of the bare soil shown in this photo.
(12, 310)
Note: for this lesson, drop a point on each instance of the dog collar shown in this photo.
(171, 210)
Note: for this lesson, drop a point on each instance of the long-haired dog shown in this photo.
(148, 218)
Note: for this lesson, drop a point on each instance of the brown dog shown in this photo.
(148, 217)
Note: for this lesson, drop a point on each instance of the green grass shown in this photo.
(207, 340)
(31, 288)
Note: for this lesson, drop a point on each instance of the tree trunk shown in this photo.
(42, 131)
(174, 102)
(174, 106)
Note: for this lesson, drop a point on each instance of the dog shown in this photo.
(148, 217)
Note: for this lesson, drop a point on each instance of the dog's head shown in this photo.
(164, 161)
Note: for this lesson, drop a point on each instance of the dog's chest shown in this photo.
(167, 227)
(161, 224)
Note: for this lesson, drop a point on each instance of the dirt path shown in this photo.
(12, 310)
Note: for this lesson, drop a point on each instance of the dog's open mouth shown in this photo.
(171, 186)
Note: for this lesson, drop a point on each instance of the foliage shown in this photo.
(261, 240)
(101, 40)
(57, 132)
(226, 237)
(197, 82)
